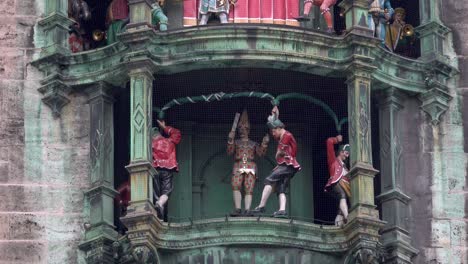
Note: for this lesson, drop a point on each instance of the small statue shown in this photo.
(158, 18)
(245, 169)
(78, 10)
(165, 162)
(117, 18)
(399, 36)
(287, 165)
(217, 7)
(338, 183)
(324, 8)
(380, 12)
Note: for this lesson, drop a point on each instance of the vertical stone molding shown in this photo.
(140, 14)
(141, 112)
(356, 12)
(362, 173)
(364, 224)
(100, 234)
(55, 26)
(393, 201)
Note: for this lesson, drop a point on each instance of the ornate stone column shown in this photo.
(355, 12)
(364, 224)
(100, 233)
(141, 219)
(394, 202)
(140, 167)
(54, 28)
(432, 32)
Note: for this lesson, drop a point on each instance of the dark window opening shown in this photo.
(206, 126)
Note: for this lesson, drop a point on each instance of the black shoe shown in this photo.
(159, 211)
(258, 210)
(236, 212)
(248, 213)
(280, 214)
(302, 18)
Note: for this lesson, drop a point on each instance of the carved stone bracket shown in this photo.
(435, 102)
(55, 95)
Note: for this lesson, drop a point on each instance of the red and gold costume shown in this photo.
(245, 168)
(336, 167)
(164, 149)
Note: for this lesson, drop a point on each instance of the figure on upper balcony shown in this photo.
(400, 36)
(324, 8)
(79, 11)
(217, 7)
(117, 18)
(158, 18)
(244, 171)
(338, 183)
(286, 167)
(380, 12)
(165, 162)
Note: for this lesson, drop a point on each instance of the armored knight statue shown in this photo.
(158, 18)
(244, 171)
(286, 167)
(380, 12)
(338, 182)
(399, 35)
(324, 9)
(219, 8)
(117, 18)
(165, 162)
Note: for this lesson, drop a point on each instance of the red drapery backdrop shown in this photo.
(251, 11)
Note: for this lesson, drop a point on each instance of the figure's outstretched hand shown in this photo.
(162, 124)
(275, 110)
(339, 138)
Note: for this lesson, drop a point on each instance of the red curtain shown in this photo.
(251, 11)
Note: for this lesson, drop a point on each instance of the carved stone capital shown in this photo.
(435, 102)
(144, 255)
(55, 95)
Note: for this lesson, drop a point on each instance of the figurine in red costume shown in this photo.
(245, 169)
(338, 183)
(286, 167)
(165, 163)
(324, 8)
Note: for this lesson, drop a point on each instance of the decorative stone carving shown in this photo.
(144, 255)
(435, 103)
(367, 256)
(55, 96)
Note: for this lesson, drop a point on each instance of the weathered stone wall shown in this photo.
(436, 158)
(43, 161)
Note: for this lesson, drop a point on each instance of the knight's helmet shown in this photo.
(244, 124)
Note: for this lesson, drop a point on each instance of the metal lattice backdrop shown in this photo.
(308, 122)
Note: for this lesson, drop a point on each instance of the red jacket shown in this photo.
(335, 166)
(286, 151)
(164, 149)
(117, 10)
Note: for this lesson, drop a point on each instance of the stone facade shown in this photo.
(45, 159)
